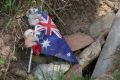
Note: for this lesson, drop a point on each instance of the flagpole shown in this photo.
(30, 60)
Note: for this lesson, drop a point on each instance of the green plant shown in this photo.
(117, 75)
(32, 77)
(61, 77)
(74, 77)
(10, 6)
(2, 61)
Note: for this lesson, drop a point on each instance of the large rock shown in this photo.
(105, 77)
(51, 71)
(75, 70)
(105, 60)
(102, 25)
(89, 54)
(78, 40)
(84, 59)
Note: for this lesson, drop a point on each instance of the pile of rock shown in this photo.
(91, 45)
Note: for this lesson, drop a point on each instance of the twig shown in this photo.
(55, 13)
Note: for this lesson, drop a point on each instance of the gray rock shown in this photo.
(102, 25)
(105, 77)
(84, 59)
(89, 54)
(50, 71)
(75, 70)
(105, 60)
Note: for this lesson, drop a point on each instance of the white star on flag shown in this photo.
(68, 54)
(45, 43)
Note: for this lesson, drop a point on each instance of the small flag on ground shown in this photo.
(52, 42)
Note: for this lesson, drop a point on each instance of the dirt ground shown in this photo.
(75, 16)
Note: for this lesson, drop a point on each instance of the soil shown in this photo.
(76, 15)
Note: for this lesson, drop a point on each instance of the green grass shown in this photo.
(2, 61)
(61, 77)
(117, 66)
(74, 77)
(117, 75)
(9, 6)
(10, 9)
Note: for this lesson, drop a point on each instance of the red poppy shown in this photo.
(36, 49)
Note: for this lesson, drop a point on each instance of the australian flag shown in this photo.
(53, 44)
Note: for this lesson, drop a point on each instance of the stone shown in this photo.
(89, 54)
(75, 70)
(105, 77)
(102, 25)
(50, 71)
(105, 60)
(85, 57)
(78, 40)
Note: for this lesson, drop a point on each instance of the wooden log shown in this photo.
(105, 60)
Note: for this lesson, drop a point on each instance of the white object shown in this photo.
(30, 60)
(28, 32)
